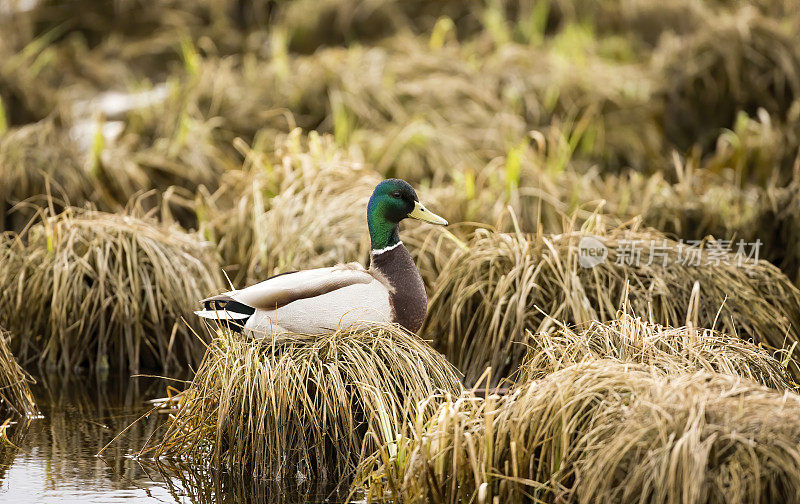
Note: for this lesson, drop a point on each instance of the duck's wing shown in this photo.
(283, 289)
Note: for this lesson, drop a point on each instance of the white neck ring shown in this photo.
(386, 249)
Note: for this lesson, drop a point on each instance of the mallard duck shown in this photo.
(323, 299)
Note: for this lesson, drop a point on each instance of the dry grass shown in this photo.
(572, 66)
(165, 172)
(706, 203)
(15, 393)
(541, 106)
(670, 350)
(708, 433)
(104, 290)
(37, 160)
(602, 431)
(45, 164)
(422, 114)
(300, 206)
(737, 62)
(129, 37)
(152, 27)
(500, 285)
(279, 406)
(311, 24)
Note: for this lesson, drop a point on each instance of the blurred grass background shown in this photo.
(237, 120)
(150, 148)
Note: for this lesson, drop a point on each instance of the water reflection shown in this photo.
(55, 456)
(204, 487)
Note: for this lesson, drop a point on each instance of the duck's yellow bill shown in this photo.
(425, 215)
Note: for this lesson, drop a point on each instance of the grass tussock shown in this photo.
(419, 113)
(37, 160)
(501, 285)
(310, 25)
(119, 42)
(719, 444)
(602, 431)
(672, 350)
(737, 62)
(710, 203)
(15, 392)
(104, 290)
(49, 163)
(301, 206)
(263, 127)
(313, 405)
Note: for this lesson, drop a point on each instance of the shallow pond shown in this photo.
(56, 456)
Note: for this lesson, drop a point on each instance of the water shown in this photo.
(56, 456)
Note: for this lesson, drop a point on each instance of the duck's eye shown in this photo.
(396, 194)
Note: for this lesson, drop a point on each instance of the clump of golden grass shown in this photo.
(421, 114)
(545, 187)
(602, 431)
(44, 165)
(236, 96)
(500, 285)
(315, 405)
(642, 20)
(142, 34)
(15, 392)
(705, 203)
(717, 438)
(496, 103)
(673, 350)
(762, 149)
(704, 200)
(170, 165)
(345, 92)
(39, 160)
(93, 289)
(778, 222)
(301, 206)
(738, 62)
(311, 25)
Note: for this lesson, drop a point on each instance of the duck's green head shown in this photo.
(392, 201)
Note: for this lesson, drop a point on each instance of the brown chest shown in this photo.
(409, 300)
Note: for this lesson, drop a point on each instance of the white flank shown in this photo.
(358, 303)
(362, 298)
